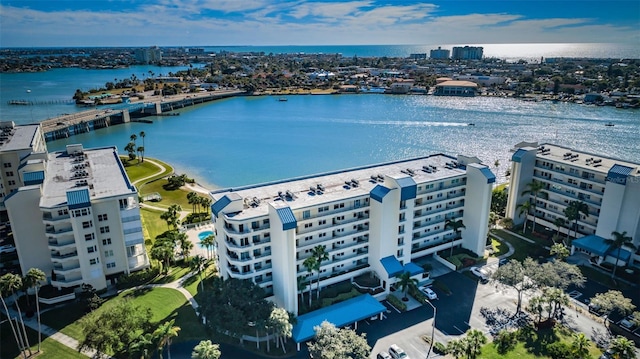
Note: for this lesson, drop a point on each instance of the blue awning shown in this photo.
(592, 243)
(413, 268)
(392, 265)
(287, 218)
(219, 205)
(517, 156)
(623, 256)
(491, 178)
(78, 199)
(344, 313)
(408, 188)
(619, 173)
(31, 178)
(378, 193)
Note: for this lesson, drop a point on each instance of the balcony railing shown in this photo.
(53, 230)
(64, 256)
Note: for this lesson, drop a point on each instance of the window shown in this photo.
(265, 222)
(11, 183)
(356, 203)
(108, 253)
(87, 224)
(324, 221)
(93, 261)
(7, 165)
(111, 265)
(106, 241)
(62, 212)
(340, 205)
(308, 225)
(323, 209)
(90, 236)
(102, 217)
(9, 173)
(306, 214)
(104, 229)
(91, 249)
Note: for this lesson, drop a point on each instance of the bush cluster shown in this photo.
(396, 303)
(137, 278)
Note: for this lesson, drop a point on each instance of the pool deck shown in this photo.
(192, 234)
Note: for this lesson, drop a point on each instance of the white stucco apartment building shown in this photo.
(374, 218)
(610, 187)
(76, 217)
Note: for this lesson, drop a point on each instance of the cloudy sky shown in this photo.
(26, 23)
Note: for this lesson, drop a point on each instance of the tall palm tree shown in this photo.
(142, 135)
(11, 283)
(617, 242)
(622, 348)
(185, 247)
(524, 208)
(301, 283)
(310, 264)
(197, 264)
(4, 289)
(534, 188)
(580, 345)
(32, 280)
(206, 350)
(475, 339)
(573, 211)
(559, 223)
(208, 243)
(142, 345)
(133, 138)
(405, 282)
(191, 199)
(321, 254)
(165, 333)
(456, 226)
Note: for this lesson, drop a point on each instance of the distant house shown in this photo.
(456, 88)
(401, 87)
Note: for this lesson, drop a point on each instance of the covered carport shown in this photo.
(341, 314)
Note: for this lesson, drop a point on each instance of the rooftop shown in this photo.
(455, 83)
(97, 170)
(334, 186)
(17, 138)
(585, 160)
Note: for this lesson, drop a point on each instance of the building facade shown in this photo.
(609, 187)
(467, 53)
(368, 219)
(439, 53)
(150, 55)
(77, 218)
(456, 88)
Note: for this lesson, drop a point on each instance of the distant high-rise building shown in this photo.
(148, 55)
(421, 56)
(439, 53)
(467, 53)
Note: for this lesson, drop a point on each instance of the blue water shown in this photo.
(205, 234)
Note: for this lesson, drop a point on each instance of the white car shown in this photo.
(429, 293)
(397, 353)
(480, 273)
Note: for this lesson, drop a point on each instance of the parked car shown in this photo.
(383, 355)
(7, 248)
(397, 353)
(480, 273)
(429, 293)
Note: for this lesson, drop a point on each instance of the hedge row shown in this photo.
(396, 303)
(137, 278)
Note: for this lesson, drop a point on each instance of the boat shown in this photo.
(282, 99)
(28, 91)
(609, 124)
(471, 124)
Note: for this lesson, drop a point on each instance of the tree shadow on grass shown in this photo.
(536, 341)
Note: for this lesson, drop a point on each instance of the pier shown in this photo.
(81, 122)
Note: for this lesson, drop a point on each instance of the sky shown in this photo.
(75, 23)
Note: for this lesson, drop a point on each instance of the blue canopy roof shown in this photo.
(31, 178)
(78, 199)
(287, 218)
(597, 245)
(219, 205)
(392, 265)
(408, 188)
(619, 173)
(341, 314)
(413, 268)
(378, 192)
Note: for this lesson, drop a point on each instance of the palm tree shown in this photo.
(32, 280)
(10, 283)
(197, 264)
(301, 283)
(206, 350)
(133, 138)
(580, 345)
(456, 226)
(310, 264)
(559, 223)
(142, 135)
(622, 348)
(534, 188)
(191, 199)
(457, 347)
(524, 208)
(142, 345)
(475, 339)
(185, 247)
(573, 211)
(208, 242)
(321, 254)
(405, 282)
(617, 242)
(165, 333)
(5, 280)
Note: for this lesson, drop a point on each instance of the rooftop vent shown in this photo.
(354, 182)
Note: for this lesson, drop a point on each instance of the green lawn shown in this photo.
(152, 225)
(178, 196)
(165, 304)
(534, 346)
(137, 170)
(499, 248)
(50, 348)
(175, 272)
(523, 249)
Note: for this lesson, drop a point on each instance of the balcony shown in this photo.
(49, 218)
(57, 257)
(53, 230)
(62, 281)
(59, 243)
(581, 187)
(64, 270)
(572, 196)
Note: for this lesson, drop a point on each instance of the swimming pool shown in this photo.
(205, 234)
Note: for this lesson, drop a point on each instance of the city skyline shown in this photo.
(36, 23)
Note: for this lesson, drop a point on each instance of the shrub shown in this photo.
(417, 294)
(396, 303)
(137, 278)
(505, 341)
(441, 286)
(439, 348)
(558, 350)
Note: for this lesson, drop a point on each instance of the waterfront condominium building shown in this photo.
(439, 53)
(383, 218)
(18, 144)
(150, 55)
(609, 187)
(467, 53)
(77, 218)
